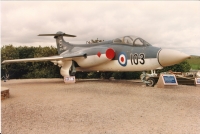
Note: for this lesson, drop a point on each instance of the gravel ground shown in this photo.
(48, 106)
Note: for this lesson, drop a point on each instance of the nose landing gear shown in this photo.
(149, 79)
(151, 82)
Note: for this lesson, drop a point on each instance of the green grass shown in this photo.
(194, 62)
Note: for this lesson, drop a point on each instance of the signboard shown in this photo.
(70, 79)
(169, 79)
(197, 81)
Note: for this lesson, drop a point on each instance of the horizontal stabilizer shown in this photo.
(58, 34)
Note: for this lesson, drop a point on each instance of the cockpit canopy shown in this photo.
(131, 40)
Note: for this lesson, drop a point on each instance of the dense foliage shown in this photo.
(30, 69)
(181, 67)
(48, 70)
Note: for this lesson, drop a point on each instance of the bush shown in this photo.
(127, 75)
(93, 75)
(181, 67)
(30, 69)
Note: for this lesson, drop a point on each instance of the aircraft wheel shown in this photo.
(152, 82)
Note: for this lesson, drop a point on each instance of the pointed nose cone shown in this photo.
(168, 57)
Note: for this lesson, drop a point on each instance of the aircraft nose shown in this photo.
(168, 57)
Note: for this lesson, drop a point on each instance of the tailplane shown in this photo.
(61, 44)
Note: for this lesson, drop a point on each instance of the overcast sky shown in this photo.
(163, 24)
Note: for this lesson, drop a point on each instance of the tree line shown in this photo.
(47, 69)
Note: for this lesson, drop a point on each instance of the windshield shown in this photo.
(131, 40)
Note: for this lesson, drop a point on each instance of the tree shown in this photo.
(30, 69)
(7, 53)
(81, 75)
(93, 75)
(126, 75)
(106, 75)
(181, 67)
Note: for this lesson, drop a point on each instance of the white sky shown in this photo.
(163, 24)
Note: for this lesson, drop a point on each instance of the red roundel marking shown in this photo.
(98, 54)
(110, 53)
(122, 59)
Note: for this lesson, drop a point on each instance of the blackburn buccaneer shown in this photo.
(128, 53)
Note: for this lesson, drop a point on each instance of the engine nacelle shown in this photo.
(59, 63)
(67, 67)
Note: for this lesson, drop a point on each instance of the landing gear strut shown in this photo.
(72, 70)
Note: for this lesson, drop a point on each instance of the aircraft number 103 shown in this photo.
(137, 58)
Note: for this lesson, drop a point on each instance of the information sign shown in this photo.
(69, 79)
(197, 81)
(169, 79)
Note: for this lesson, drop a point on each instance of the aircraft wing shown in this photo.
(33, 59)
(52, 58)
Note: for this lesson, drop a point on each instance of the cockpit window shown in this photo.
(118, 40)
(128, 40)
(146, 43)
(131, 40)
(138, 42)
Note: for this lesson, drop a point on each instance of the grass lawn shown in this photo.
(194, 62)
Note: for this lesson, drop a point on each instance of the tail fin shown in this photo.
(61, 44)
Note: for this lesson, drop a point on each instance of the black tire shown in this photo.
(152, 82)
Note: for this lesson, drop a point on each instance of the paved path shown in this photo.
(44, 106)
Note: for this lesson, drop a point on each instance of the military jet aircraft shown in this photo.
(128, 53)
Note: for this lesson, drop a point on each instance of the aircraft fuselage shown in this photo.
(127, 58)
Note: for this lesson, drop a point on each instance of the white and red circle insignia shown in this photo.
(122, 59)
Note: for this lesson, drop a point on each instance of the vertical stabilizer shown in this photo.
(61, 44)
